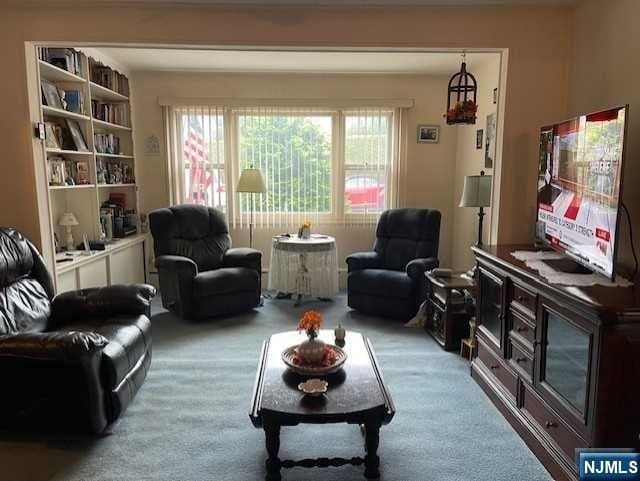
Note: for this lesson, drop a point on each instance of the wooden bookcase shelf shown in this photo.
(55, 112)
(124, 260)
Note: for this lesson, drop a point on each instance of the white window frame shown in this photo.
(337, 215)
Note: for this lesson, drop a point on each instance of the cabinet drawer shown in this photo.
(563, 436)
(522, 328)
(524, 299)
(522, 360)
(495, 365)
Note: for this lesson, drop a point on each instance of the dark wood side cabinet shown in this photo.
(561, 363)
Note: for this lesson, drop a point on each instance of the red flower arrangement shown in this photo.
(463, 112)
(310, 322)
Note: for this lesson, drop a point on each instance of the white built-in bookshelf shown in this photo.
(89, 162)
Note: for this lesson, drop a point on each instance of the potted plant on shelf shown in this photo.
(312, 350)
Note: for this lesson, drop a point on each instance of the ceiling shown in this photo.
(431, 63)
(306, 2)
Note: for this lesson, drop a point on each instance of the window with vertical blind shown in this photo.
(321, 164)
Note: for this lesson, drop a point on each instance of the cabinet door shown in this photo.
(491, 307)
(566, 349)
(127, 265)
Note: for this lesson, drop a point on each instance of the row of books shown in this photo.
(65, 58)
(114, 113)
(71, 100)
(107, 77)
(113, 172)
(107, 143)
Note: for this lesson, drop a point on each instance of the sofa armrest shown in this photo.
(53, 346)
(101, 303)
(176, 275)
(417, 267)
(364, 260)
(243, 257)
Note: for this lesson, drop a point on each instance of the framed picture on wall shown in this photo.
(479, 134)
(490, 142)
(428, 134)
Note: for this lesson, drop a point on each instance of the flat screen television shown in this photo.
(579, 187)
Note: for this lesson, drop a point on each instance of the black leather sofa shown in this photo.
(73, 361)
(201, 276)
(390, 281)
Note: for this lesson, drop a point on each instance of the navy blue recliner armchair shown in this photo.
(390, 281)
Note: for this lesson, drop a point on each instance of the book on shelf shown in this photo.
(109, 112)
(107, 143)
(108, 78)
(65, 58)
(71, 100)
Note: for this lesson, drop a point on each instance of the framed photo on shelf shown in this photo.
(50, 94)
(82, 173)
(57, 172)
(76, 135)
(428, 134)
(52, 135)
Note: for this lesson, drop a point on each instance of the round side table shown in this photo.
(304, 267)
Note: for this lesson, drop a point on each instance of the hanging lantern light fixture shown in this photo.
(461, 96)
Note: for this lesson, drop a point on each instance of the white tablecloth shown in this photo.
(304, 266)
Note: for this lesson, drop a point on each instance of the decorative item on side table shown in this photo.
(252, 182)
(340, 334)
(461, 97)
(313, 357)
(447, 314)
(68, 220)
(304, 232)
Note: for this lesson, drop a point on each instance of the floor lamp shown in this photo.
(477, 193)
(252, 182)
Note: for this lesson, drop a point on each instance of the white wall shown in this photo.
(429, 180)
(605, 72)
(470, 161)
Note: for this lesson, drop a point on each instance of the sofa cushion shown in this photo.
(128, 338)
(380, 282)
(225, 280)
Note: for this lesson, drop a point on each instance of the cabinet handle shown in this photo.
(493, 367)
(551, 424)
(521, 359)
(522, 329)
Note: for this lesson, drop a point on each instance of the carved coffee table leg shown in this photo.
(272, 437)
(371, 440)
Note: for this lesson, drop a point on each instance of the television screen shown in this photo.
(579, 179)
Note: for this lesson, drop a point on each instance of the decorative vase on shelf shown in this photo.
(311, 350)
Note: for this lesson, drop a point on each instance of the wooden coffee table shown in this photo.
(357, 395)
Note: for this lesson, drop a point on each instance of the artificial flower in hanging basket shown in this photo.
(462, 113)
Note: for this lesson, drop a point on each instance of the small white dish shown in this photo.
(314, 387)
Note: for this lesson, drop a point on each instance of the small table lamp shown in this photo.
(251, 181)
(477, 193)
(68, 220)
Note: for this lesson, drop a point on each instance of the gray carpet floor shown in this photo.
(189, 421)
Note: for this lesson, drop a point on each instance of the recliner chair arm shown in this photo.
(183, 265)
(101, 303)
(364, 260)
(243, 257)
(54, 346)
(417, 267)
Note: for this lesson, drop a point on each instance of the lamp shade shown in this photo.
(68, 220)
(476, 191)
(251, 180)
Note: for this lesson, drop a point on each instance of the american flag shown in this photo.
(195, 152)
